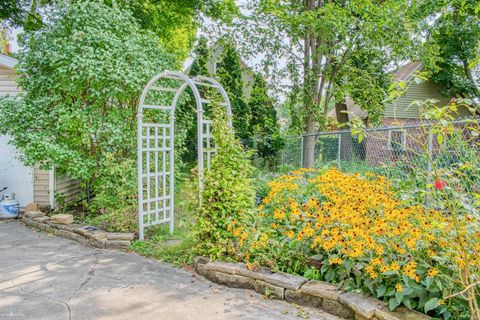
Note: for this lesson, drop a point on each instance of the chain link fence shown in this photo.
(398, 152)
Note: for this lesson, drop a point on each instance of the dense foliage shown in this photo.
(22, 13)
(453, 46)
(263, 126)
(175, 22)
(255, 118)
(228, 195)
(230, 76)
(82, 73)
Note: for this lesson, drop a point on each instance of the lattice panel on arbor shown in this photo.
(157, 173)
(156, 137)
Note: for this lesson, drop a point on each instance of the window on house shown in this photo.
(397, 140)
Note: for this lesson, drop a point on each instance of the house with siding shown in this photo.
(403, 110)
(388, 144)
(30, 184)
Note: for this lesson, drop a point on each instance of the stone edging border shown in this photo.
(302, 291)
(96, 238)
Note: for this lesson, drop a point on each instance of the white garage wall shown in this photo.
(14, 175)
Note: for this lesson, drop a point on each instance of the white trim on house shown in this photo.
(7, 61)
(51, 187)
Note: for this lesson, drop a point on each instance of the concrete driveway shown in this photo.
(45, 277)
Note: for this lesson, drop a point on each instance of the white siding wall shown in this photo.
(17, 177)
(13, 174)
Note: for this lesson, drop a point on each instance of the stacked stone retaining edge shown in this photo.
(95, 238)
(302, 291)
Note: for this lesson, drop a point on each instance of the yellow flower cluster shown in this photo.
(356, 218)
(354, 223)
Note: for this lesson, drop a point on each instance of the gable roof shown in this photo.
(6, 61)
(406, 72)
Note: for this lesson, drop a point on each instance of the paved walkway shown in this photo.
(45, 277)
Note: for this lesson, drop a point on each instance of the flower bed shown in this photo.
(352, 230)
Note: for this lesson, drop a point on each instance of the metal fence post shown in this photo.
(302, 151)
(339, 152)
(429, 167)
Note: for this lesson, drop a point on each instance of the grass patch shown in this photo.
(161, 245)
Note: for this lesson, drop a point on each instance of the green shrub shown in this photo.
(82, 73)
(115, 220)
(228, 196)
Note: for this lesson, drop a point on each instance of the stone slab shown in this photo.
(62, 218)
(120, 236)
(225, 267)
(337, 309)
(66, 227)
(321, 289)
(97, 234)
(200, 260)
(364, 306)
(42, 219)
(230, 280)
(284, 280)
(32, 206)
(302, 299)
(101, 243)
(401, 313)
(117, 243)
(33, 214)
(273, 291)
(80, 229)
(257, 275)
(200, 269)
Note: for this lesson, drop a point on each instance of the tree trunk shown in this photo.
(309, 144)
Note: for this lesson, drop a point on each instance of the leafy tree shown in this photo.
(453, 47)
(318, 45)
(82, 74)
(22, 13)
(230, 76)
(263, 122)
(175, 22)
(201, 55)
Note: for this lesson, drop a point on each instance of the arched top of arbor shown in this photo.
(184, 82)
(156, 141)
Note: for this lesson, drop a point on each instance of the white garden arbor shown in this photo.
(156, 141)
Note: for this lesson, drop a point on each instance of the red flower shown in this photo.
(440, 184)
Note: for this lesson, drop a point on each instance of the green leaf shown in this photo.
(431, 304)
(348, 266)
(399, 297)
(393, 303)
(406, 302)
(381, 291)
(440, 138)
